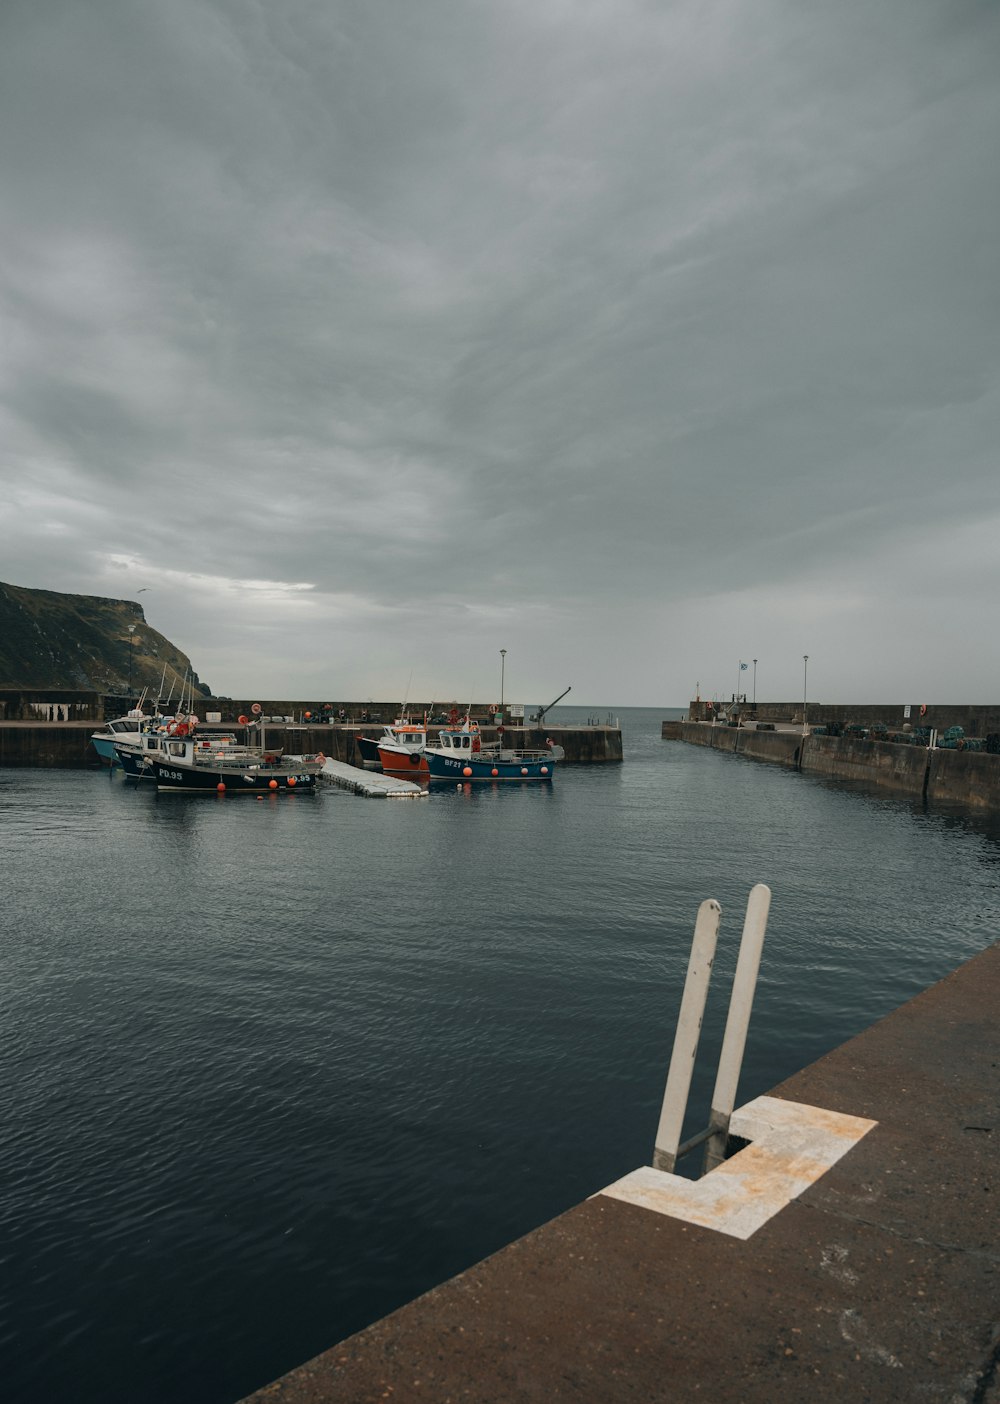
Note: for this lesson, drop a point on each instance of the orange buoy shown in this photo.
(524, 770)
(545, 770)
(221, 787)
(272, 784)
(494, 771)
(291, 780)
(308, 716)
(466, 769)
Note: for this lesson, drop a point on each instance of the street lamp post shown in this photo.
(755, 684)
(805, 688)
(503, 660)
(131, 638)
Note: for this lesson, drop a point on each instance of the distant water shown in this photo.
(269, 1069)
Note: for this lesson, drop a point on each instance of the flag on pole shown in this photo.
(743, 667)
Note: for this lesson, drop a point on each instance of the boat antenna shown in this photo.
(159, 690)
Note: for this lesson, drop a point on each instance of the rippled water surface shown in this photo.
(269, 1069)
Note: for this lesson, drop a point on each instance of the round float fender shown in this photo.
(414, 758)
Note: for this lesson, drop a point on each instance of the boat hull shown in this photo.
(410, 764)
(475, 767)
(232, 781)
(368, 749)
(134, 763)
(105, 748)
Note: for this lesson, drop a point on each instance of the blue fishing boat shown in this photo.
(128, 727)
(461, 754)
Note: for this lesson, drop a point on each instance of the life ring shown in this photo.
(923, 709)
(181, 729)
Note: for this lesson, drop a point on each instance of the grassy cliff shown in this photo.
(82, 641)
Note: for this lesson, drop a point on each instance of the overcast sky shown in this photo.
(366, 338)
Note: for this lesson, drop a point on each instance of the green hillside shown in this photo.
(82, 641)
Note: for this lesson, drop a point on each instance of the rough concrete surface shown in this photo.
(880, 1282)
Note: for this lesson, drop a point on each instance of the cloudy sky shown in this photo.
(637, 337)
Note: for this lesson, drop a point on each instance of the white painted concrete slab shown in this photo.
(792, 1145)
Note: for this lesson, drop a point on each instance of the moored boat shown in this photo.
(186, 764)
(460, 754)
(121, 728)
(368, 747)
(401, 750)
(136, 754)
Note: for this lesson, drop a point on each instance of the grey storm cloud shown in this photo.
(368, 336)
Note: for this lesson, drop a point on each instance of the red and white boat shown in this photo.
(401, 749)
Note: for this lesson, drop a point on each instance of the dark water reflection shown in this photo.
(272, 1068)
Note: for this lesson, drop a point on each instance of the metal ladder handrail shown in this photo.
(668, 1149)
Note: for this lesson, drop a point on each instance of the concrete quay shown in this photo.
(66, 744)
(872, 1276)
(968, 780)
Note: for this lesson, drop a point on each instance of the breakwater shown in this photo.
(967, 779)
(67, 745)
(975, 718)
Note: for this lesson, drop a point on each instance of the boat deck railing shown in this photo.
(252, 760)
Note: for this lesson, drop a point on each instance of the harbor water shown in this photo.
(270, 1068)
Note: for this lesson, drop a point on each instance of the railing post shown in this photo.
(699, 973)
(737, 1024)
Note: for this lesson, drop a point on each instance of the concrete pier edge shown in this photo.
(968, 780)
(67, 746)
(876, 1281)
